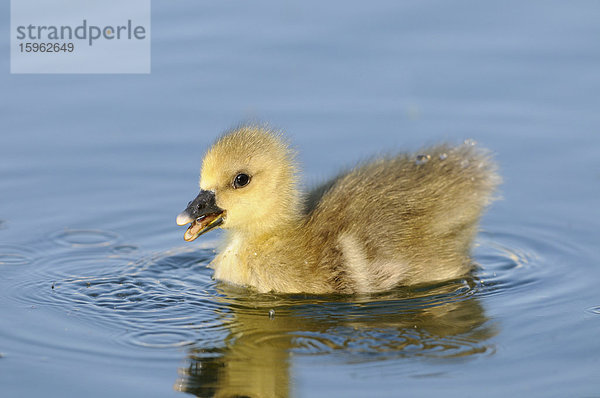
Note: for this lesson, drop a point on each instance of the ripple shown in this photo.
(52, 284)
(14, 255)
(161, 300)
(124, 249)
(13, 259)
(446, 331)
(505, 264)
(163, 338)
(594, 310)
(85, 238)
(366, 344)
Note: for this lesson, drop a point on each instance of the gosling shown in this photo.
(402, 220)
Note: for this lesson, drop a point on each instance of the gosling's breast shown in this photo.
(230, 265)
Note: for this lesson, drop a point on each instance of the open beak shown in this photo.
(203, 214)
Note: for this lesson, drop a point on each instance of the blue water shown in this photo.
(100, 295)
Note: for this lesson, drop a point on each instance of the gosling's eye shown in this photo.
(241, 180)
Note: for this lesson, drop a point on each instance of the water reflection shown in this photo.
(438, 322)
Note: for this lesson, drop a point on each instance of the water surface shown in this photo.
(100, 295)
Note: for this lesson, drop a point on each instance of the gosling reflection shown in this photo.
(254, 359)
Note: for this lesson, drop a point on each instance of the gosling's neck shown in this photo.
(276, 225)
(250, 253)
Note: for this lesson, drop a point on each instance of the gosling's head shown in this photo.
(247, 184)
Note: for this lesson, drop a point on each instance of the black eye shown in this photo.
(241, 180)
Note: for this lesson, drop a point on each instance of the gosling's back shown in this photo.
(400, 220)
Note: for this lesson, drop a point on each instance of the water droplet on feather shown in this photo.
(422, 159)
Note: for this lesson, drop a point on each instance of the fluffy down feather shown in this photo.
(400, 220)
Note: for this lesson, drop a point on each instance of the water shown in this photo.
(100, 295)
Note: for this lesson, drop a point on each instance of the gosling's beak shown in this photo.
(203, 213)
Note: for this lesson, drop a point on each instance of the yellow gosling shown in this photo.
(400, 220)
